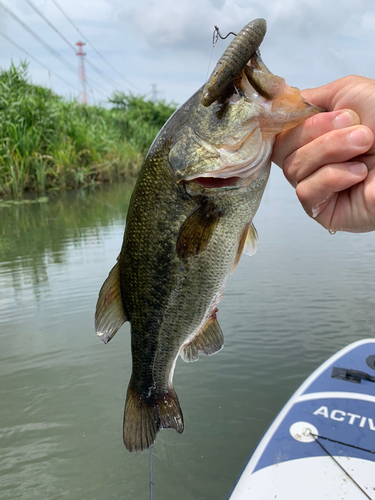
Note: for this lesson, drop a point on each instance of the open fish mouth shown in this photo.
(216, 182)
(239, 161)
(274, 106)
(231, 175)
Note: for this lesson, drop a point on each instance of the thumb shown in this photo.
(339, 94)
(320, 97)
(323, 96)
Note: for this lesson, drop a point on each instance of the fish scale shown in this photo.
(189, 219)
(180, 315)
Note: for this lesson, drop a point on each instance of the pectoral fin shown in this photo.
(248, 243)
(196, 232)
(109, 314)
(209, 340)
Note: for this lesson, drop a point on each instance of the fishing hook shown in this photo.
(217, 34)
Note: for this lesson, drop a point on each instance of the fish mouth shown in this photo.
(216, 182)
(235, 173)
(232, 176)
(280, 106)
(242, 160)
(273, 106)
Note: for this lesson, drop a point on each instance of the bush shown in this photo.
(50, 142)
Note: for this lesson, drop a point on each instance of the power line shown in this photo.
(106, 77)
(44, 66)
(50, 24)
(91, 45)
(98, 88)
(40, 40)
(65, 39)
(70, 66)
(36, 60)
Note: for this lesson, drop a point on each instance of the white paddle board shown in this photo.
(322, 443)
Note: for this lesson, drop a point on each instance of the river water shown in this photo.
(304, 295)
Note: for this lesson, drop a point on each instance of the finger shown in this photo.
(309, 130)
(316, 191)
(354, 92)
(323, 96)
(335, 94)
(352, 209)
(337, 146)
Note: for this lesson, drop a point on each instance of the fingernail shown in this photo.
(357, 168)
(359, 137)
(344, 119)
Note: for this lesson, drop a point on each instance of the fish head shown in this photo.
(229, 143)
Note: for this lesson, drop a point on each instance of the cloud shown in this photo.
(187, 23)
(309, 42)
(183, 24)
(169, 42)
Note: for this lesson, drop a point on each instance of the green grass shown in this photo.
(48, 142)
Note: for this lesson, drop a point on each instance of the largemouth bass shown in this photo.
(189, 221)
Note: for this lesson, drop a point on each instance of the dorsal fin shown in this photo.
(109, 313)
(195, 233)
(209, 340)
(247, 244)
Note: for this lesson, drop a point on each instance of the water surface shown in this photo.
(303, 296)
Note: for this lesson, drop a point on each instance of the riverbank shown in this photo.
(48, 142)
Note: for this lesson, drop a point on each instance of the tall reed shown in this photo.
(48, 142)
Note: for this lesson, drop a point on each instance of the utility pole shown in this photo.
(81, 72)
(154, 92)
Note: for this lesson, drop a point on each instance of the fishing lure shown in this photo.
(234, 59)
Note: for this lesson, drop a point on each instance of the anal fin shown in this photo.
(209, 340)
(109, 313)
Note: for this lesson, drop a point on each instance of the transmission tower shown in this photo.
(154, 92)
(81, 72)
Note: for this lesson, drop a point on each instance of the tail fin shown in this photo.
(144, 417)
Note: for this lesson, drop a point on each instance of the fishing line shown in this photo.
(340, 442)
(215, 37)
(337, 463)
(209, 64)
(151, 477)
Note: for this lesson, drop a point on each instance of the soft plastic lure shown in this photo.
(233, 61)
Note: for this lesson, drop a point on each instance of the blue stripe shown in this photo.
(282, 447)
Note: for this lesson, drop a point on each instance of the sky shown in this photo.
(163, 48)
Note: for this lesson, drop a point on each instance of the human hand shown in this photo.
(330, 158)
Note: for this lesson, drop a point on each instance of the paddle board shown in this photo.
(322, 443)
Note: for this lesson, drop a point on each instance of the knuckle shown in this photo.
(303, 193)
(329, 142)
(316, 122)
(330, 175)
(290, 169)
(330, 146)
